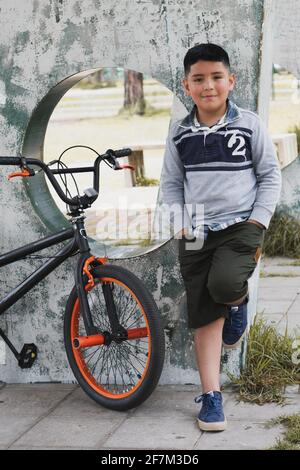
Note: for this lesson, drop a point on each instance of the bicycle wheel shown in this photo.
(117, 375)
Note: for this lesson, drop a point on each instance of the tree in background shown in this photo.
(134, 101)
(102, 78)
(95, 79)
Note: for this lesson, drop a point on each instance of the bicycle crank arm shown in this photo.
(97, 340)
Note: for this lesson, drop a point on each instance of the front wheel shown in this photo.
(118, 374)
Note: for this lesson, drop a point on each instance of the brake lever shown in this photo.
(115, 164)
(124, 166)
(24, 172)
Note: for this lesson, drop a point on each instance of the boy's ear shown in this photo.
(185, 87)
(232, 81)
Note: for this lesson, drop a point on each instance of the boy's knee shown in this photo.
(226, 290)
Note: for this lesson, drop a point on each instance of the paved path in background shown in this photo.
(279, 293)
(104, 102)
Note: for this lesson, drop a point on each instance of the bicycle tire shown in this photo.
(114, 396)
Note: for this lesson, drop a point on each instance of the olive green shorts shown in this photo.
(217, 273)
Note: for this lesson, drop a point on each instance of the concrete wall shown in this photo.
(286, 28)
(44, 42)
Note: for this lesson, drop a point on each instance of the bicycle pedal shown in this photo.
(27, 356)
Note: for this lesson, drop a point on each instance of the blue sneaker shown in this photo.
(211, 416)
(235, 326)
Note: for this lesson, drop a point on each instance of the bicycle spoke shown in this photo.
(116, 367)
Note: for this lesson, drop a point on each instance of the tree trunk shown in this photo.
(133, 92)
(95, 78)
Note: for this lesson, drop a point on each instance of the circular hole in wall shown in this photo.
(92, 108)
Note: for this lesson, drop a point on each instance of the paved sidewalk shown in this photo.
(58, 416)
(279, 293)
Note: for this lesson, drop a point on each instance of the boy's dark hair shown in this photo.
(206, 51)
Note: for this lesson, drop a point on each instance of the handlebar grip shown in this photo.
(10, 161)
(122, 153)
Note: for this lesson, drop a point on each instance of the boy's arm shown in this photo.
(268, 176)
(172, 186)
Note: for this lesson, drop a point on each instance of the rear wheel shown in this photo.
(118, 373)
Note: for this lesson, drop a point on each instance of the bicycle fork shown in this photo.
(118, 333)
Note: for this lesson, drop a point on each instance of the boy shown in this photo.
(221, 157)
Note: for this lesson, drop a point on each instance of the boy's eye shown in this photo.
(218, 77)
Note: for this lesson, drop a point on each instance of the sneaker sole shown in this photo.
(218, 426)
(235, 345)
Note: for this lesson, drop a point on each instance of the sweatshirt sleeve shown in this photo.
(268, 174)
(172, 185)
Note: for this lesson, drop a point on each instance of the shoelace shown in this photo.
(212, 400)
(199, 398)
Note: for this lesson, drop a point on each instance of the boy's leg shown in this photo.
(207, 318)
(232, 265)
(233, 262)
(208, 346)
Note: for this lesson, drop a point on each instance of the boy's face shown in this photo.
(209, 83)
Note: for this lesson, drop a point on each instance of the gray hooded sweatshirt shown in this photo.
(220, 175)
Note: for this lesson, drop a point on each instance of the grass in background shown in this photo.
(291, 263)
(291, 438)
(283, 237)
(269, 367)
(143, 110)
(264, 274)
(144, 181)
(141, 243)
(296, 129)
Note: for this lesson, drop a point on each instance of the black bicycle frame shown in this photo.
(78, 243)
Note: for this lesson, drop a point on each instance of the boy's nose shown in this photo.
(208, 85)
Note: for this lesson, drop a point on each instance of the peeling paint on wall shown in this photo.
(42, 43)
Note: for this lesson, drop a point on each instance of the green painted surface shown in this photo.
(43, 46)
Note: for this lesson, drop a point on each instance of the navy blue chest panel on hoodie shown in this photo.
(228, 145)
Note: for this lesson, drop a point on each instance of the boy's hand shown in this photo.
(185, 232)
(252, 221)
(182, 233)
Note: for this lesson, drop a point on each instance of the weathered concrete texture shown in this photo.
(48, 416)
(43, 43)
(285, 25)
(284, 22)
(290, 193)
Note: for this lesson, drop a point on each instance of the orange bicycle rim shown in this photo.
(80, 361)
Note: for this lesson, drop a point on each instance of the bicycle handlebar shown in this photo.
(121, 153)
(109, 155)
